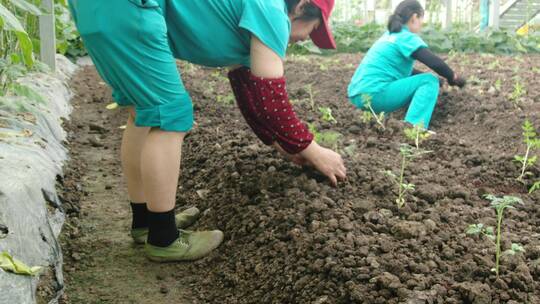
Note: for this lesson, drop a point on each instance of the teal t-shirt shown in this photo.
(388, 60)
(218, 32)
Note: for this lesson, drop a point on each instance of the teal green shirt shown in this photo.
(388, 60)
(218, 32)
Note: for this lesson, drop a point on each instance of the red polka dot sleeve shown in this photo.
(265, 105)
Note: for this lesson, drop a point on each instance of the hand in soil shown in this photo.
(458, 81)
(295, 158)
(325, 161)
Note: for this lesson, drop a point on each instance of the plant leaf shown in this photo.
(9, 20)
(112, 106)
(8, 263)
(27, 7)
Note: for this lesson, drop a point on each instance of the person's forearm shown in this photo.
(435, 63)
(265, 105)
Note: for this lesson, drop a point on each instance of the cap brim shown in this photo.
(322, 37)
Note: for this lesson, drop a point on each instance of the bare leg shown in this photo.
(131, 149)
(160, 168)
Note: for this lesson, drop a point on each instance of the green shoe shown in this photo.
(190, 246)
(183, 220)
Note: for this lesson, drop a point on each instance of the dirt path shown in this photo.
(102, 264)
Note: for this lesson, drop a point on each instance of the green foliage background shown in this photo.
(351, 38)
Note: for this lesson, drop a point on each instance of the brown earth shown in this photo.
(292, 238)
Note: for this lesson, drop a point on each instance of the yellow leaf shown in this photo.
(112, 106)
(8, 263)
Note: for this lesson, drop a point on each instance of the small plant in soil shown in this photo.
(226, 99)
(499, 204)
(370, 114)
(417, 134)
(326, 138)
(532, 142)
(534, 187)
(218, 76)
(498, 84)
(327, 114)
(311, 93)
(209, 90)
(519, 91)
(408, 154)
(494, 65)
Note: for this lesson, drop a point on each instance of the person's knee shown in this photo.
(431, 79)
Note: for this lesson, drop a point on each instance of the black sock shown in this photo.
(162, 230)
(139, 215)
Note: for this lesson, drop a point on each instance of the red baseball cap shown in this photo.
(322, 36)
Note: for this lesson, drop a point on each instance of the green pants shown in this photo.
(127, 41)
(419, 92)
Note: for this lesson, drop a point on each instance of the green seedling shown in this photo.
(327, 114)
(408, 153)
(498, 84)
(534, 187)
(370, 114)
(311, 93)
(519, 91)
(417, 134)
(531, 140)
(326, 138)
(494, 65)
(499, 204)
(226, 99)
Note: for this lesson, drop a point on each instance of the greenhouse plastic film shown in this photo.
(31, 157)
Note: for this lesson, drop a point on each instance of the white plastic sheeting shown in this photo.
(31, 157)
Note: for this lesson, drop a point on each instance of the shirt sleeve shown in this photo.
(408, 43)
(269, 22)
(434, 62)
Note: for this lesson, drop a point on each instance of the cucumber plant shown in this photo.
(369, 113)
(417, 134)
(532, 142)
(498, 84)
(408, 154)
(534, 187)
(227, 99)
(327, 138)
(519, 91)
(327, 114)
(311, 94)
(499, 204)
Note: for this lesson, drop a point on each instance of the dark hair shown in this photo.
(403, 13)
(311, 12)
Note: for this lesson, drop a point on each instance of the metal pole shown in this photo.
(495, 14)
(47, 34)
(448, 19)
